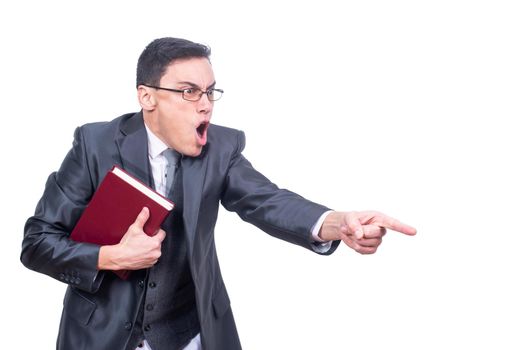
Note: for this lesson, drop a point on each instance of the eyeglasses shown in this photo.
(194, 94)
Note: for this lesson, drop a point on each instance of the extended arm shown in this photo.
(279, 212)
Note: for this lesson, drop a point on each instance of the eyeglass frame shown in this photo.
(202, 92)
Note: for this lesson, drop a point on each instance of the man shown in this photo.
(175, 297)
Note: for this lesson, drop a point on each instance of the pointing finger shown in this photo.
(395, 225)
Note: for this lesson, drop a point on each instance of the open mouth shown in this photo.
(202, 132)
(202, 128)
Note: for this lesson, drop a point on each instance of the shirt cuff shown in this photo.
(316, 228)
(318, 244)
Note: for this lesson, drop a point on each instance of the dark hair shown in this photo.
(159, 54)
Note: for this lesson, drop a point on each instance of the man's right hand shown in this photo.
(136, 249)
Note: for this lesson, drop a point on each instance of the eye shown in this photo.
(191, 94)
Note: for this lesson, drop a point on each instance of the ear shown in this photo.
(146, 98)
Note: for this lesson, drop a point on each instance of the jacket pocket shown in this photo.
(221, 302)
(78, 307)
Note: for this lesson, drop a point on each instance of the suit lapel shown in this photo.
(132, 145)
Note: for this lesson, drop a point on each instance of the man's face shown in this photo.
(182, 124)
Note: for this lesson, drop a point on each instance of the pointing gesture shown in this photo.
(362, 230)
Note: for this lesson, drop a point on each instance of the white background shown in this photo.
(407, 107)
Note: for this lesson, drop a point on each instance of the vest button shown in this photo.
(141, 284)
(128, 326)
(149, 307)
(152, 284)
(147, 328)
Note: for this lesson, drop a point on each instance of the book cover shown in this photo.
(115, 206)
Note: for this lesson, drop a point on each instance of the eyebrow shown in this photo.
(195, 85)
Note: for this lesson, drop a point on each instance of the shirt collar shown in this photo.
(155, 146)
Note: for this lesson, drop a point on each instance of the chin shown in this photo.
(194, 152)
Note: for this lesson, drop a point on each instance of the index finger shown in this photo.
(160, 235)
(395, 225)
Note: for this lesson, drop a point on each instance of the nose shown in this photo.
(204, 104)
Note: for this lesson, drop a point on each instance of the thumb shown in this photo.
(142, 218)
(354, 226)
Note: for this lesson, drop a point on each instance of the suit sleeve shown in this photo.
(46, 246)
(279, 212)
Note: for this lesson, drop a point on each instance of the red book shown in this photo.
(115, 206)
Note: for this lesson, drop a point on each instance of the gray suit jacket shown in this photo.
(99, 308)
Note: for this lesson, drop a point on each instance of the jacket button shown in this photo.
(77, 280)
(61, 276)
(149, 307)
(128, 326)
(152, 284)
(147, 328)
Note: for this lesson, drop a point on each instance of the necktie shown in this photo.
(173, 158)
